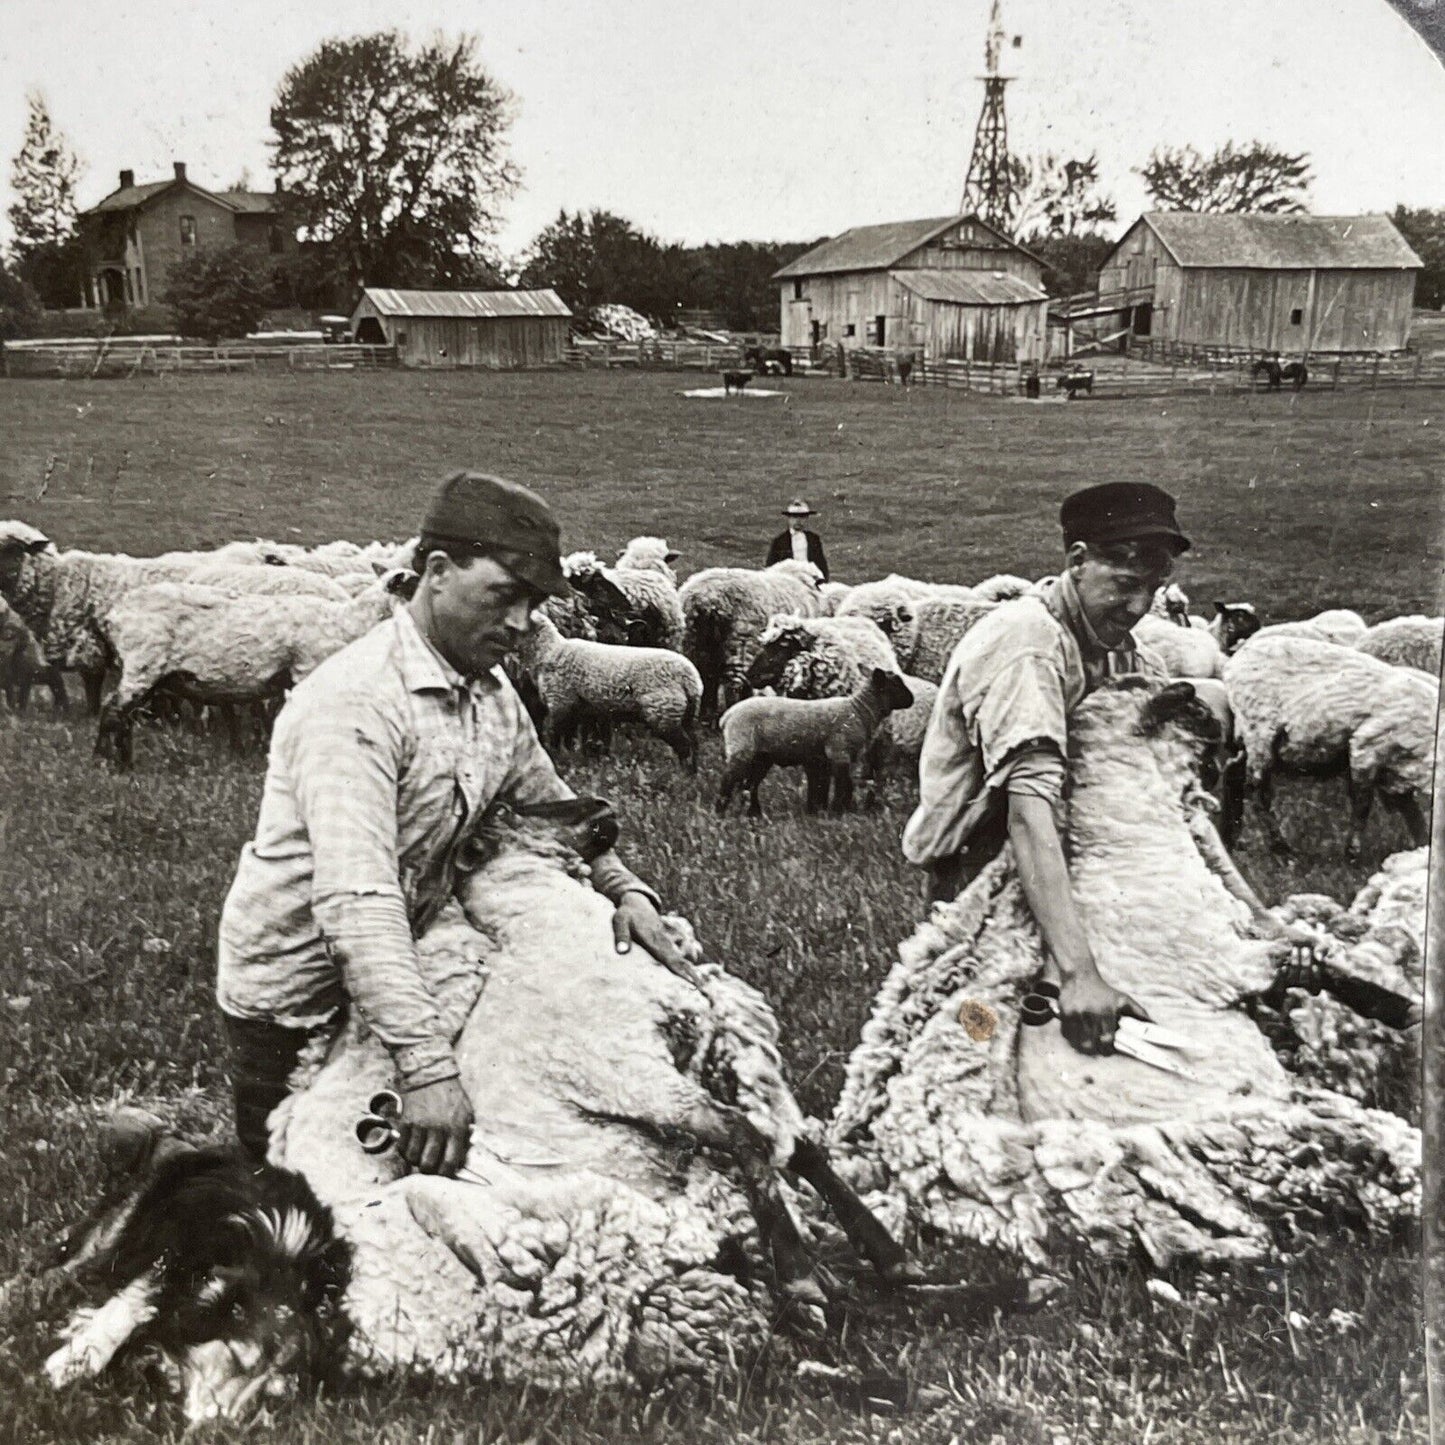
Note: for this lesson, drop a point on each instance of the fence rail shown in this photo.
(151, 358)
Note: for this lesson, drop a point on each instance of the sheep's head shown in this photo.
(1236, 622)
(783, 639)
(567, 830)
(649, 554)
(399, 582)
(19, 540)
(605, 601)
(890, 689)
(803, 571)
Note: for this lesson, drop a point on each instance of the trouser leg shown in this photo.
(262, 1057)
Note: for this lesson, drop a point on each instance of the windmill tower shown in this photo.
(988, 189)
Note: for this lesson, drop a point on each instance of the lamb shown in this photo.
(649, 585)
(22, 662)
(824, 737)
(905, 729)
(937, 628)
(579, 681)
(1306, 706)
(1184, 651)
(211, 646)
(975, 1128)
(629, 1129)
(271, 582)
(1406, 642)
(844, 649)
(724, 611)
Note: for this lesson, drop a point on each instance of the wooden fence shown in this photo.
(129, 357)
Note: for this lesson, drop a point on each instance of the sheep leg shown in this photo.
(1264, 797)
(94, 681)
(55, 681)
(1231, 801)
(734, 770)
(817, 773)
(114, 730)
(1362, 795)
(758, 770)
(1407, 808)
(842, 786)
(810, 1161)
(680, 740)
(232, 719)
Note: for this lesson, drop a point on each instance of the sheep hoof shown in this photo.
(805, 1291)
(902, 1273)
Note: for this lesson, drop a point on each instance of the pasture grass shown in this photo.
(110, 886)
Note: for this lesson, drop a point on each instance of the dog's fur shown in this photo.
(227, 1271)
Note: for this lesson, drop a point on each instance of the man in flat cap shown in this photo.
(798, 543)
(992, 766)
(377, 759)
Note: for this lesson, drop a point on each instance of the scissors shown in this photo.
(1148, 1043)
(380, 1127)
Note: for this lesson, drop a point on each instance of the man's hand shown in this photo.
(637, 921)
(435, 1127)
(1090, 1010)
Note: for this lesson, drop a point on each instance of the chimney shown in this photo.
(180, 170)
(127, 180)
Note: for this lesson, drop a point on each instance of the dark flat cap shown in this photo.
(503, 521)
(1121, 512)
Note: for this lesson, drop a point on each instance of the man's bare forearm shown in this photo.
(1045, 878)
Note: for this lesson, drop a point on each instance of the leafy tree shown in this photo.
(394, 157)
(735, 278)
(1254, 177)
(1056, 196)
(43, 176)
(19, 307)
(219, 291)
(1071, 263)
(1425, 231)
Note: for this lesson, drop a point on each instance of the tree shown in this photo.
(1071, 263)
(1059, 197)
(19, 307)
(219, 291)
(46, 253)
(394, 157)
(1254, 177)
(1425, 231)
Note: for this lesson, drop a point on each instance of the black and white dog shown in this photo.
(226, 1273)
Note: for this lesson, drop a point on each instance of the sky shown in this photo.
(763, 119)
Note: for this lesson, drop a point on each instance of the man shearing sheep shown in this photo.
(377, 761)
(993, 761)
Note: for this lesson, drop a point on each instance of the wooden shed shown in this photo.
(951, 286)
(1299, 284)
(504, 330)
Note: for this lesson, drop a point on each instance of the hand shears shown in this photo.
(1148, 1043)
(379, 1128)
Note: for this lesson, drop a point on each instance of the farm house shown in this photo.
(1302, 284)
(947, 287)
(504, 330)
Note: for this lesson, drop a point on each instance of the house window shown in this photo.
(797, 290)
(850, 330)
(274, 240)
(1297, 316)
(401, 338)
(188, 230)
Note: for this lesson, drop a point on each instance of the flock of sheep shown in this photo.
(631, 646)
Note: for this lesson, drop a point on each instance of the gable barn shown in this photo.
(950, 286)
(502, 330)
(1298, 284)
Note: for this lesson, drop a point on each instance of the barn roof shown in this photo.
(1282, 243)
(970, 288)
(465, 305)
(875, 248)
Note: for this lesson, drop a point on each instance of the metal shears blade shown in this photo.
(377, 1130)
(1144, 1042)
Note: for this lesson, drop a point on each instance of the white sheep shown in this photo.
(629, 1128)
(1337, 625)
(834, 595)
(580, 682)
(825, 737)
(889, 601)
(648, 583)
(976, 1127)
(724, 611)
(271, 582)
(938, 625)
(1407, 642)
(1002, 587)
(22, 662)
(210, 646)
(1184, 651)
(842, 649)
(1306, 706)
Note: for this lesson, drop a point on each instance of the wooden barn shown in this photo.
(503, 330)
(951, 286)
(1298, 284)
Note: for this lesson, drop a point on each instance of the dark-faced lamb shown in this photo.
(825, 737)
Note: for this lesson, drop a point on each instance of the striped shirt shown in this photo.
(376, 759)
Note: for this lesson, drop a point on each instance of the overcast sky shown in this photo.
(764, 119)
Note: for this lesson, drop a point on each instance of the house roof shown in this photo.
(464, 305)
(1281, 243)
(127, 198)
(970, 288)
(875, 248)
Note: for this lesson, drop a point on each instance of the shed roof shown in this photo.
(1282, 243)
(970, 288)
(875, 248)
(464, 305)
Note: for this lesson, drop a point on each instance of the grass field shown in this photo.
(109, 886)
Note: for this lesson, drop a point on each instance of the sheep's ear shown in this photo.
(1222, 608)
(881, 676)
(37, 544)
(671, 556)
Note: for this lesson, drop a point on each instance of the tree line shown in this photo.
(393, 169)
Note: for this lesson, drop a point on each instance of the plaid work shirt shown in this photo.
(376, 759)
(1005, 699)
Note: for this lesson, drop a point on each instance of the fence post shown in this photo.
(1375, 374)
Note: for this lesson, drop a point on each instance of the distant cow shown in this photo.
(1073, 382)
(735, 381)
(766, 362)
(1269, 367)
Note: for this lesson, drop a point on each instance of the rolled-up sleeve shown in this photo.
(1023, 707)
(345, 763)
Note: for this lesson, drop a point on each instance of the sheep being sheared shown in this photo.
(629, 1129)
(979, 1129)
